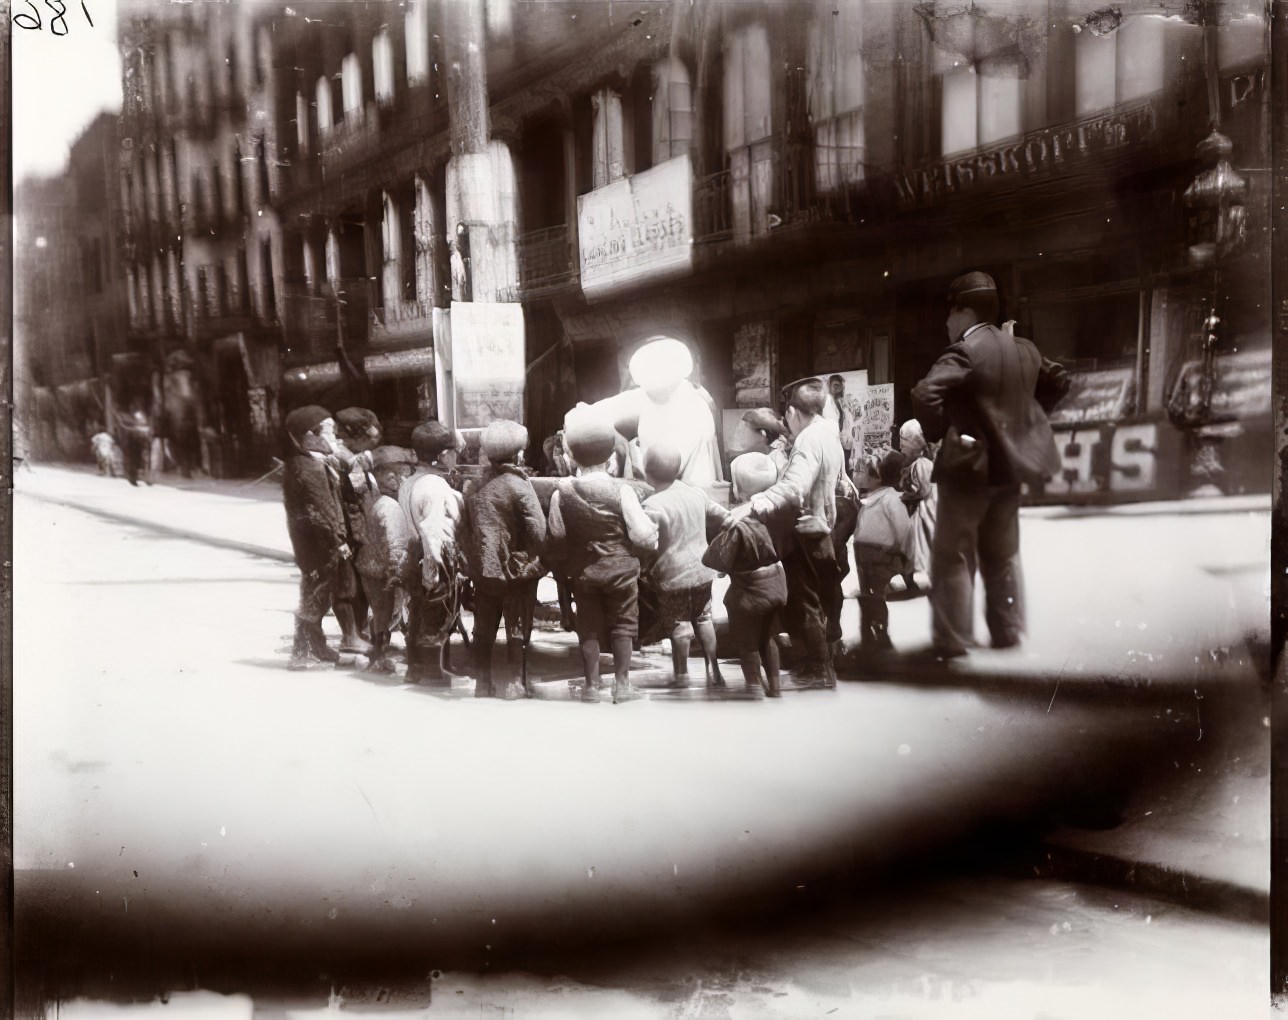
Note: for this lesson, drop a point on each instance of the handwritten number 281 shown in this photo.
(57, 24)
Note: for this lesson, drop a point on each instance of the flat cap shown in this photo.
(385, 456)
(752, 473)
(589, 436)
(357, 421)
(305, 419)
(431, 439)
(501, 440)
(765, 419)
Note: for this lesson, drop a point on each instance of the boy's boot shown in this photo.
(623, 689)
(302, 656)
(315, 640)
(379, 661)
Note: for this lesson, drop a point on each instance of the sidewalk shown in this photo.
(1171, 604)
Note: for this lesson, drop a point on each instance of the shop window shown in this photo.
(836, 96)
(351, 85)
(1087, 333)
(1119, 65)
(607, 142)
(417, 27)
(672, 109)
(382, 61)
(326, 122)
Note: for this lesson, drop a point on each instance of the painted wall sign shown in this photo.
(637, 228)
(1135, 460)
(487, 362)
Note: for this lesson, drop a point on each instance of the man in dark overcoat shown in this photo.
(987, 398)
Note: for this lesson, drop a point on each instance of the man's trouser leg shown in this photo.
(806, 612)
(952, 566)
(999, 567)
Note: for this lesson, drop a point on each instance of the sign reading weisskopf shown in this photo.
(638, 228)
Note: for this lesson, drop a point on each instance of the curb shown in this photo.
(165, 529)
(1210, 895)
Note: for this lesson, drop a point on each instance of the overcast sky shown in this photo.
(61, 83)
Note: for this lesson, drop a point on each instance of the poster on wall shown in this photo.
(845, 407)
(487, 362)
(753, 348)
(878, 417)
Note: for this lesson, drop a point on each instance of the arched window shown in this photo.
(326, 119)
(747, 92)
(382, 62)
(417, 43)
(351, 83)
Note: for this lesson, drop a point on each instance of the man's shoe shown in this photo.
(807, 681)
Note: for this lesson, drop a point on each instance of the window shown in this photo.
(351, 82)
(417, 44)
(607, 142)
(747, 87)
(983, 103)
(302, 123)
(836, 96)
(382, 60)
(325, 116)
(261, 167)
(1122, 66)
(672, 110)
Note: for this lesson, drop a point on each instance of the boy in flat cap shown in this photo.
(747, 549)
(387, 559)
(357, 434)
(808, 484)
(434, 509)
(315, 522)
(596, 522)
(676, 581)
(502, 533)
(987, 397)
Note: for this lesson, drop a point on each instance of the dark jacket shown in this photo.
(997, 390)
(502, 530)
(314, 516)
(588, 531)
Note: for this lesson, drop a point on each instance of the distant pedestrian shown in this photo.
(882, 549)
(106, 453)
(502, 535)
(136, 441)
(596, 524)
(747, 549)
(921, 496)
(434, 509)
(987, 397)
(808, 484)
(315, 523)
(677, 580)
(387, 561)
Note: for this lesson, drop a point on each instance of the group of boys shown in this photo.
(362, 512)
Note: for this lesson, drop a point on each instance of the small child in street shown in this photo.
(106, 453)
(679, 584)
(596, 522)
(882, 549)
(747, 550)
(387, 559)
